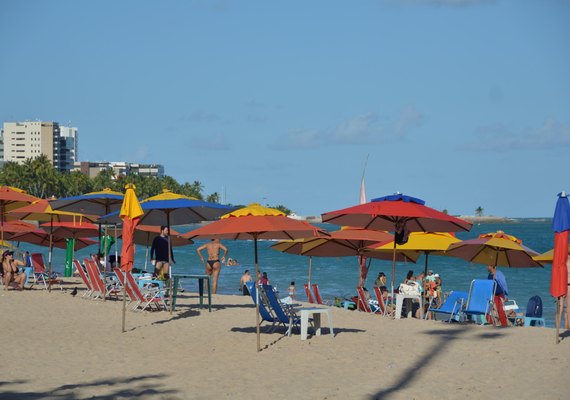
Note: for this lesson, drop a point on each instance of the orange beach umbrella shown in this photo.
(255, 222)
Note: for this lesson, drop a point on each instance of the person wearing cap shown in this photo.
(11, 270)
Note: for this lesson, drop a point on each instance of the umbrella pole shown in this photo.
(169, 260)
(50, 251)
(258, 283)
(558, 318)
(146, 257)
(310, 267)
(105, 256)
(425, 296)
(99, 252)
(393, 268)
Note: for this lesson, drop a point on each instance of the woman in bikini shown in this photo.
(11, 271)
(213, 264)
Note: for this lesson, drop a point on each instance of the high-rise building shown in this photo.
(69, 149)
(30, 139)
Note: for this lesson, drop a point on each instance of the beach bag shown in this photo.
(534, 307)
(411, 289)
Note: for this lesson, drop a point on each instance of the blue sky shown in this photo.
(462, 103)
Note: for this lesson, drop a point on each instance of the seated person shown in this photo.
(380, 280)
(11, 271)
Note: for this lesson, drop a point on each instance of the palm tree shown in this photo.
(479, 211)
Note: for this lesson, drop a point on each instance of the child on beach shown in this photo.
(292, 290)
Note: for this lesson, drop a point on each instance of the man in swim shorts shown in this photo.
(159, 254)
(213, 264)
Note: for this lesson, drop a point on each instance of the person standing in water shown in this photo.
(213, 264)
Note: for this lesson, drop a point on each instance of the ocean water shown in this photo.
(338, 277)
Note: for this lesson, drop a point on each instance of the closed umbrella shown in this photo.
(559, 278)
(255, 222)
(131, 213)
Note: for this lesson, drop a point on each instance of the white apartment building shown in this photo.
(92, 168)
(30, 139)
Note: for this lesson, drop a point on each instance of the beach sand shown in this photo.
(63, 347)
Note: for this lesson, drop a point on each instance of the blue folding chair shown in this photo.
(289, 318)
(480, 300)
(452, 306)
(263, 311)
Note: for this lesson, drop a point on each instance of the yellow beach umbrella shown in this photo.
(547, 257)
(168, 195)
(427, 242)
(254, 209)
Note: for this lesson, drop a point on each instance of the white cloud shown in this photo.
(409, 118)
(216, 142)
(367, 128)
(357, 130)
(499, 137)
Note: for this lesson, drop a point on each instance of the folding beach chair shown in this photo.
(108, 287)
(83, 274)
(452, 306)
(381, 303)
(263, 310)
(145, 298)
(363, 304)
(41, 276)
(318, 298)
(480, 301)
(284, 316)
(310, 298)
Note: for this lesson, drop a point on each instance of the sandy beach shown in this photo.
(64, 347)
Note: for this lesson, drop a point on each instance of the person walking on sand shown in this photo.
(159, 254)
(501, 292)
(213, 265)
(246, 277)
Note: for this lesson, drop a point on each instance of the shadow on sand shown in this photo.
(409, 375)
(113, 388)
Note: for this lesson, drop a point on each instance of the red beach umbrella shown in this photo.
(41, 238)
(397, 213)
(559, 278)
(72, 229)
(255, 222)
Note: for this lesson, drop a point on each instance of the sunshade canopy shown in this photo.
(497, 249)
(392, 213)
(41, 210)
(41, 238)
(174, 209)
(95, 203)
(422, 241)
(71, 230)
(12, 199)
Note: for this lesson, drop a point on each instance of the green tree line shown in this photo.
(38, 177)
